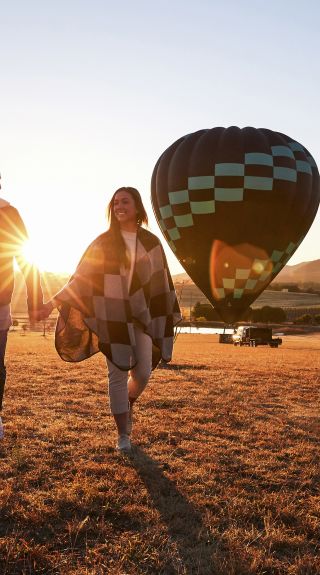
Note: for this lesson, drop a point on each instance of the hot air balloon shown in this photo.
(234, 205)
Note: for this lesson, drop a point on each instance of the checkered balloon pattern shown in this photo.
(234, 205)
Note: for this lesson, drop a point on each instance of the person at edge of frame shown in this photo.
(13, 236)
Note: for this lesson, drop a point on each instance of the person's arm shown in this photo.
(76, 291)
(30, 272)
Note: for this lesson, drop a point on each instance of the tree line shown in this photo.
(265, 314)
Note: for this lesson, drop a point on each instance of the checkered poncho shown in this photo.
(97, 312)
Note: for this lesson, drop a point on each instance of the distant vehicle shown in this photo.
(226, 338)
(254, 336)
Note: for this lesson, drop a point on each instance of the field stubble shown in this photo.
(223, 480)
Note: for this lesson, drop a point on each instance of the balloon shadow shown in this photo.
(190, 549)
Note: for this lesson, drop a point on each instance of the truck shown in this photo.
(254, 336)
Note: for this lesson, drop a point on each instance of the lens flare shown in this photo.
(28, 252)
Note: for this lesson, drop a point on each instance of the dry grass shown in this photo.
(224, 478)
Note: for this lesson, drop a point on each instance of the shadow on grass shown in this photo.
(184, 366)
(190, 541)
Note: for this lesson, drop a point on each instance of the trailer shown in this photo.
(253, 336)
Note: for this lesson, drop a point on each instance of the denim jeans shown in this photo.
(3, 343)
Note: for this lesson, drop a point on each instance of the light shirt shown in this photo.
(130, 239)
(5, 317)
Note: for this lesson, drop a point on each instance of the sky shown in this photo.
(93, 91)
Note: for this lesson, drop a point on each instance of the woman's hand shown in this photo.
(41, 313)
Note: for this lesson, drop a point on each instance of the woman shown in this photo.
(120, 301)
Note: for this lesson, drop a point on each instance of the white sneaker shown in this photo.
(124, 443)
(1, 429)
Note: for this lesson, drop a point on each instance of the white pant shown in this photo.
(120, 386)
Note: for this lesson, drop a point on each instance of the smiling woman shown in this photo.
(120, 301)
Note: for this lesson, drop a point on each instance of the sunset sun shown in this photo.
(30, 253)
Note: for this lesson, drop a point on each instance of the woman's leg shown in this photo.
(123, 393)
(118, 394)
(140, 374)
(3, 343)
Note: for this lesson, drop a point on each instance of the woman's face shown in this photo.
(124, 208)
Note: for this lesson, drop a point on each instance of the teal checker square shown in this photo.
(184, 220)
(242, 273)
(250, 284)
(200, 182)
(220, 293)
(311, 161)
(203, 207)
(228, 283)
(238, 293)
(229, 169)
(258, 183)
(166, 211)
(276, 255)
(174, 234)
(282, 151)
(290, 249)
(258, 158)
(179, 197)
(228, 194)
(282, 173)
(296, 147)
(304, 167)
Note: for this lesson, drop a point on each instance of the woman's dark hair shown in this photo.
(142, 217)
(114, 225)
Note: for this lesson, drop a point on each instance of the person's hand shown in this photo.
(35, 315)
(42, 313)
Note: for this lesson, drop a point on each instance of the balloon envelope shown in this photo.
(234, 204)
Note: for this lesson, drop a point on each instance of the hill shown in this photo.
(189, 294)
(303, 273)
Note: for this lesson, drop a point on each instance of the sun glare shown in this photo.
(45, 258)
(29, 253)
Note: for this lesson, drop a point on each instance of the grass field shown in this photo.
(223, 480)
